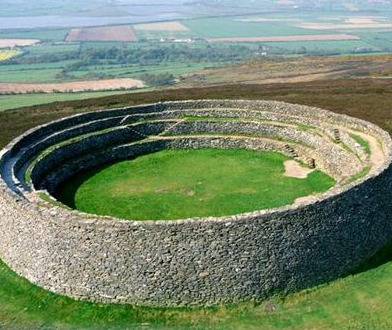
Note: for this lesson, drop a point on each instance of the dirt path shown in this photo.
(299, 78)
(377, 156)
(294, 170)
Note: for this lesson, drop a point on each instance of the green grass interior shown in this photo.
(174, 184)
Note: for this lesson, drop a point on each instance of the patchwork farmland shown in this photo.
(181, 46)
(120, 33)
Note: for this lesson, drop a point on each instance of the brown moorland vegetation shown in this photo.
(293, 70)
(368, 99)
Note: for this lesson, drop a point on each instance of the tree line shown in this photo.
(142, 55)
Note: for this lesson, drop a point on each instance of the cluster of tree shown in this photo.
(45, 58)
(145, 55)
(165, 53)
(160, 79)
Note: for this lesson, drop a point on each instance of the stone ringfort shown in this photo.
(206, 261)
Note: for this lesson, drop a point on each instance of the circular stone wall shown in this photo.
(200, 260)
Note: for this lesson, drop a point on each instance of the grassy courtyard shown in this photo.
(175, 184)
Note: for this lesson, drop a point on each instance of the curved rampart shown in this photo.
(200, 260)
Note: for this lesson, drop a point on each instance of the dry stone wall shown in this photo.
(200, 260)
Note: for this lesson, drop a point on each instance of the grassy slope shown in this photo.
(48, 72)
(206, 182)
(363, 300)
(359, 301)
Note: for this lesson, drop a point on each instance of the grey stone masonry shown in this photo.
(196, 261)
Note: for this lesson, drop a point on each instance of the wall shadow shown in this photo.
(66, 191)
(381, 257)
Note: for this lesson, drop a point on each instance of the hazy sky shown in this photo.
(71, 13)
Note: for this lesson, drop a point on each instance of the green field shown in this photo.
(380, 39)
(32, 73)
(174, 184)
(33, 66)
(50, 72)
(41, 34)
(27, 75)
(48, 48)
(337, 46)
(273, 24)
(232, 27)
(134, 71)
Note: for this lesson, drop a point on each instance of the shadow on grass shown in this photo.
(66, 191)
(382, 256)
